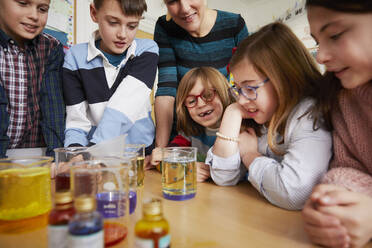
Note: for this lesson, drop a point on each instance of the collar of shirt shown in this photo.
(93, 51)
(5, 40)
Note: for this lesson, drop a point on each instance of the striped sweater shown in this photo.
(104, 101)
(179, 51)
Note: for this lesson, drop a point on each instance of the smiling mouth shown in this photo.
(205, 113)
(189, 18)
(29, 26)
(252, 110)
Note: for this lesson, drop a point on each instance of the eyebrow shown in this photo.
(247, 81)
(329, 24)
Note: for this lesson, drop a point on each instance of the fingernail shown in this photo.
(325, 199)
(347, 239)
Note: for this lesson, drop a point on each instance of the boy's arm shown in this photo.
(131, 101)
(51, 101)
(167, 85)
(77, 123)
(4, 117)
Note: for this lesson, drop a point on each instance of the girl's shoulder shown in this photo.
(302, 108)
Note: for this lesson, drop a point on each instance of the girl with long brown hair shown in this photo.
(274, 79)
(338, 211)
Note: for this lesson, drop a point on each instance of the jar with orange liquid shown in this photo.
(153, 229)
(24, 187)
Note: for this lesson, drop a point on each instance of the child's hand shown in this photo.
(248, 146)
(323, 229)
(156, 157)
(237, 109)
(64, 166)
(202, 172)
(352, 209)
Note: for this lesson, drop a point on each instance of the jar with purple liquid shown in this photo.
(107, 180)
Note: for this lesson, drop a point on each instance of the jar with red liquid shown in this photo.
(58, 220)
(64, 157)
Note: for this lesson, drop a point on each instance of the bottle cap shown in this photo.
(152, 206)
(85, 203)
(63, 197)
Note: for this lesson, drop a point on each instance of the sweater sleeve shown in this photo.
(78, 124)
(346, 170)
(167, 78)
(225, 171)
(242, 31)
(288, 182)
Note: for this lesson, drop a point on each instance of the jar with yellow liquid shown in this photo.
(24, 187)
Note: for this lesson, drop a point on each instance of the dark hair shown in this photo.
(275, 52)
(129, 7)
(329, 87)
(352, 6)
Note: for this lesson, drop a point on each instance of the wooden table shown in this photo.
(225, 217)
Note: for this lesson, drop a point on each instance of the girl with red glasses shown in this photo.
(202, 97)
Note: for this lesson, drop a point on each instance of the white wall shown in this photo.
(256, 13)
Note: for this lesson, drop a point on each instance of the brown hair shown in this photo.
(276, 52)
(129, 7)
(207, 75)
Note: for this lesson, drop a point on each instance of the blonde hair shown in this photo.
(277, 53)
(207, 75)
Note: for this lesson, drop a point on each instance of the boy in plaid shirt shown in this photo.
(31, 102)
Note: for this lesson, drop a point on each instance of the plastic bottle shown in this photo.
(86, 227)
(152, 230)
(58, 220)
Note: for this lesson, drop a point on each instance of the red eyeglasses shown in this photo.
(206, 95)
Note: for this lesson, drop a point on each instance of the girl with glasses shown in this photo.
(287, 153)
(338, 211)
(202, 97)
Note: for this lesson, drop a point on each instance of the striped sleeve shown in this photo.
(77, 123)
(167, 78)
(241, 31)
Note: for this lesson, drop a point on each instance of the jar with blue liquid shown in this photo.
(86, 227)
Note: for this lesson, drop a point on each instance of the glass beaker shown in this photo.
(139, 149)
(179, 173)
(105, 179)
(24, 187)
(132, 156)
(64, 156)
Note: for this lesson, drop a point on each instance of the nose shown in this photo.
(323, 55)
(200, 102)
(122, 32)
(185, 6)
(243, 100)
(33, 13)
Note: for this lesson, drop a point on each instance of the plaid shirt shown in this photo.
(31, 104)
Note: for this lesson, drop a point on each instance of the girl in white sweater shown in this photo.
(285, 151)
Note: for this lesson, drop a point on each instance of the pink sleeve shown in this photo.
(346, 170)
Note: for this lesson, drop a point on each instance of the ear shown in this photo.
(93, 13)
